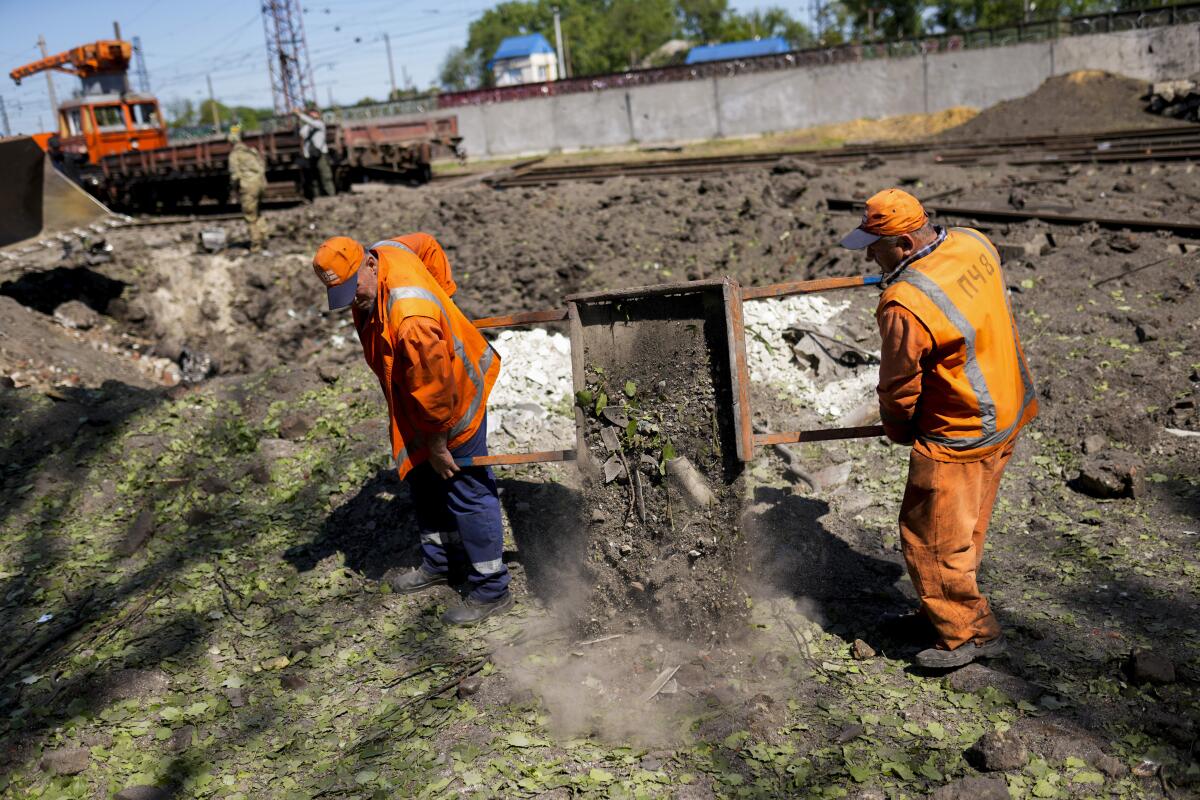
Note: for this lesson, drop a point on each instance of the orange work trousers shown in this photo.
(943, 524)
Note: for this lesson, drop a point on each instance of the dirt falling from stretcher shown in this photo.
(662, 481)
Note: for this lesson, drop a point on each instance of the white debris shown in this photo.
(530, 406)
(770, 358)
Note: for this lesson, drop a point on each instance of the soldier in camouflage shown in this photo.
(249, 175)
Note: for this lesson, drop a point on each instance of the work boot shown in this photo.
(473, 611)
(936, 658)
(413, 580)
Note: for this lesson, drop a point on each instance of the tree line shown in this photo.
(603, 36)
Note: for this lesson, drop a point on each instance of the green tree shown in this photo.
(635, 28)
(703, 21)
(885, 19)
(762, 24)
(460, 70)
(180, 112)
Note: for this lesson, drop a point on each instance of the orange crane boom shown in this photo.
(85, 61)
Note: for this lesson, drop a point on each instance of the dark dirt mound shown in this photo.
(1080, 102)
(657, 390)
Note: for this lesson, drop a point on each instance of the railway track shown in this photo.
(1173, 143)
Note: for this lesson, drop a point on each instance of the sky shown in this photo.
(183, 41)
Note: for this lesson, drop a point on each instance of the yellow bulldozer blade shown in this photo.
(35, 199)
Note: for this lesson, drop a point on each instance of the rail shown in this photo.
(1173, 143)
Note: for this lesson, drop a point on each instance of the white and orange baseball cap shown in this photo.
(889, 213)
(337, 263)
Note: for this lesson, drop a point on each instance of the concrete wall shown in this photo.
(768, 102)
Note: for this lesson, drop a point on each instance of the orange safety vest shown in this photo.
(977, 392)
(406, 289)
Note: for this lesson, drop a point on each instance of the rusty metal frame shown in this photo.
(734, 296)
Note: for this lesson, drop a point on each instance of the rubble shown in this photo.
(1144, 666)
(997, 751)
(1177, 99)
(74, 314)
(771, 358)
(1112, 474)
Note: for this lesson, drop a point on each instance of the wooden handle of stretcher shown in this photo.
(508, 459)
(822, 435)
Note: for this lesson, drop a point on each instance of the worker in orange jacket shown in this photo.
(436, 372)
(953, 383)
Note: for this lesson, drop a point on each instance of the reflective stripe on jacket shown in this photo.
(406, 290)
(976, 389)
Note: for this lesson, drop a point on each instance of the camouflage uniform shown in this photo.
(249, 174)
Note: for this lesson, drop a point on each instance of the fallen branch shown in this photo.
(1154, 263)
(391, 717)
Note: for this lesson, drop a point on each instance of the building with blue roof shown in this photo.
(524, 59)
(751, 48)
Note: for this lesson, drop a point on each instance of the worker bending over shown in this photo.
(953, 383)
(436, 372)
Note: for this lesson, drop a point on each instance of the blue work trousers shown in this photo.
(460, 521)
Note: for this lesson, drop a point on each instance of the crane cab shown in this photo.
(102, 124)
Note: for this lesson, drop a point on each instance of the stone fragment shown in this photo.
(65, 760)
(1145, 666)
(181, 739)
(614, 470)
(294, 427)
(143, 792)
(976, 677)
(138, 534)
(293, 683)
(1123, 243)
(992, 787)
(861, 650)
(198, 516)
(1145, 332)
(469, 685)
(832, 477)
(612, 442)
(615, 415)
(1094, 444)
(997, 751)
(96, 739)
(1113, 474)
(650, 764)
(74, 314)
(1111, 766)
(237, 697)
(328, 373)
(790, 164)
(850, 733)
(214, 484)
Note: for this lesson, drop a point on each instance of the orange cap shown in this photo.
(889, 213)
(336, 264)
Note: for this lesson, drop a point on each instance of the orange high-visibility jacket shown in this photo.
(976, 391)
(433, 257)
(409, 293)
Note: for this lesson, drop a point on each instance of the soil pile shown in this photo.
(664, 545)
(1079, 102)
